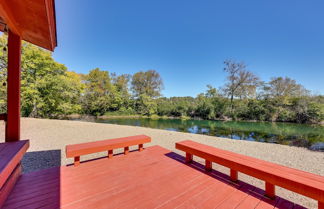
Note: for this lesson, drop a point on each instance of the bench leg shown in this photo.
(126, 150)
(140, 147)
(208, 165)
(188, 158)
(110, 153)
(320, 205)
(233, 175)
(76, 160)
(270, 190)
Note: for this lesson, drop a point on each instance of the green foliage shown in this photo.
(147, 83)
(49, 90)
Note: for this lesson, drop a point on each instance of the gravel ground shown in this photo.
(48, 139)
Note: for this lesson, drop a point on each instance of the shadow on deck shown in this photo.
(154, 178)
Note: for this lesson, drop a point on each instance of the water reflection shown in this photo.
(300, 135)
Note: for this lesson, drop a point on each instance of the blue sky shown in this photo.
(186, 41)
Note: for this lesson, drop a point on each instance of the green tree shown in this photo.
(284, 87)
(241, 83)
(98, 92)
(147, 83)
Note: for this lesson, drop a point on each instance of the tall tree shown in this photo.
(284, 86)
(240, 82)
(46, 90)
(98, 91)
(147, 83)
(121, 96)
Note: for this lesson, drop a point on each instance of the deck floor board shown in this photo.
(154, 178)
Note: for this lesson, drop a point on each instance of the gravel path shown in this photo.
(49, 137)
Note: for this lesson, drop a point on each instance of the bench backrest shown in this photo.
(77, 150)
(308, 184)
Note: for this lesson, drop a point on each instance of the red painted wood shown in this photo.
(76, 160)
(11, 154)
(320, 205)
(270, 190)
(208, 165)
(148, 179)
(126, 150)
(9, 185)
(13, 88)
(233, 175)
(110, 153)
(104, 145)
(301, 182)
(140, 147)
(33, 20)
(188, 158)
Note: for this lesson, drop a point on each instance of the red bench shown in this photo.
(76, 150)
(301, 182)
(11, 154)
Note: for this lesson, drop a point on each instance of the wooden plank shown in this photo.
(10, 157)
(9, 185)
(105, 145)
(310, 187)
(149, 179)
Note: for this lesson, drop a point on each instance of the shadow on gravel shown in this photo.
(33, 161)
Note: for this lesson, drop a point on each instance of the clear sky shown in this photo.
(186, 41)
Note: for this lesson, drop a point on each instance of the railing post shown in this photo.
(140, 147)
(234, 175)
(126, 150)
(270, 190)
(76, 160)
(188, 157)
(208, 165)
(320, 205)
(110, 153)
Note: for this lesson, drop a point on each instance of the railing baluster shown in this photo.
(140, 147)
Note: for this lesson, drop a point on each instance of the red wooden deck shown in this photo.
(154, 178)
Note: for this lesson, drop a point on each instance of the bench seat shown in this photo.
(307, 184)
(77, 150)
(11, 154)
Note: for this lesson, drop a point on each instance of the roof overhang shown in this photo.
(33, 20)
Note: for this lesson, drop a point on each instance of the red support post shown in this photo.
(320, 205)
(188, 158)
(208, 165)
(233, 175)
(13, 88)
(76, 160)
(126, 150)
(270, 190)
(110, 153)
(140, 147)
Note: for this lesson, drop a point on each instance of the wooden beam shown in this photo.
(13, 88)
(8, 16)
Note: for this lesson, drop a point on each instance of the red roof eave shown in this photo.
(33, 20)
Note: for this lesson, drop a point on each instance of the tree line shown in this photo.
(49, 90)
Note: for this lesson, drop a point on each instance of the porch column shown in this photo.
(13, 88)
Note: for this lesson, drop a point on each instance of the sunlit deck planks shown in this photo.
(154, 178)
